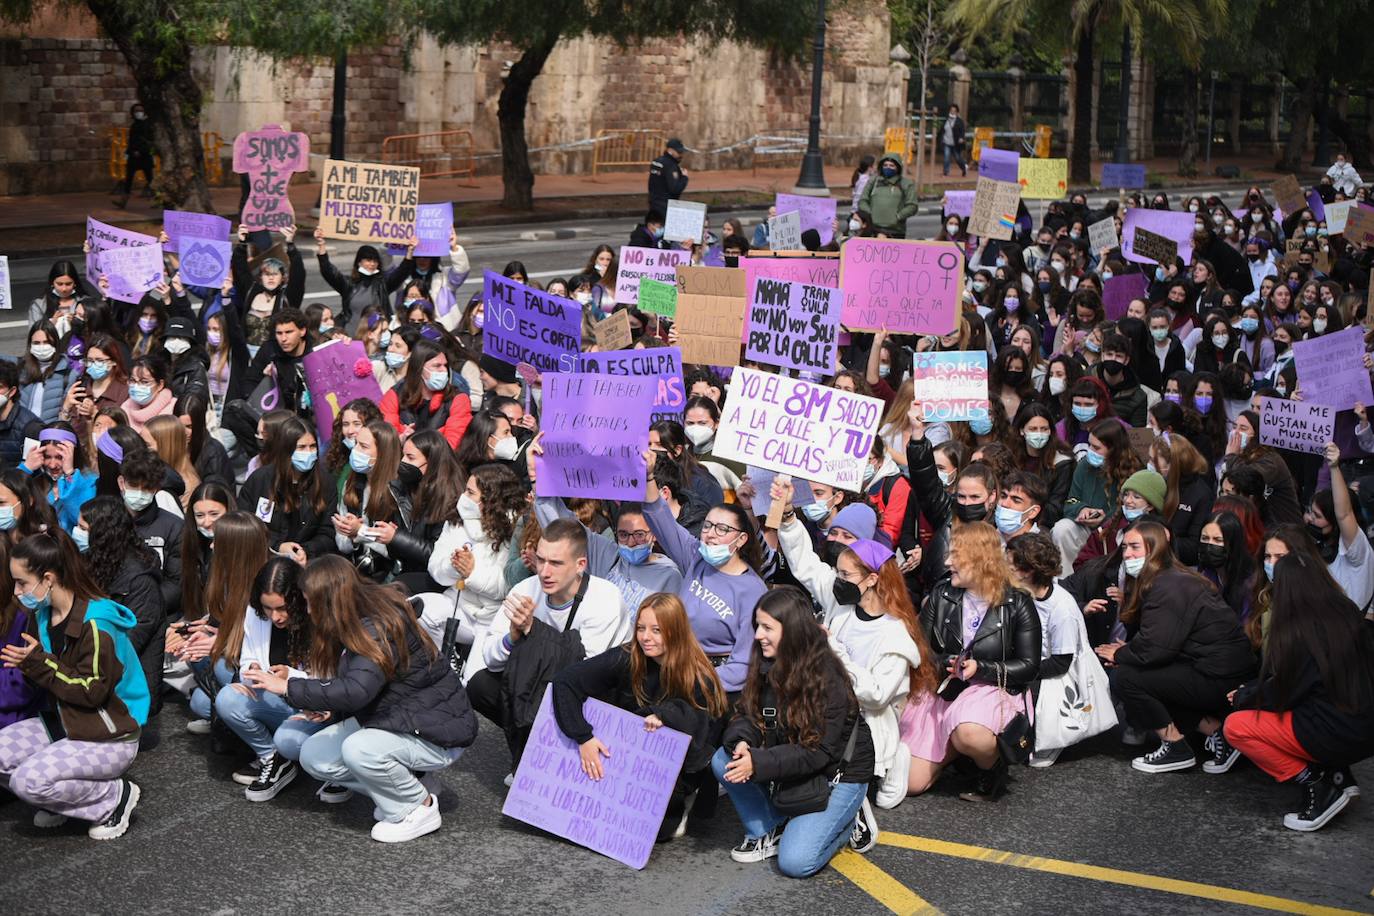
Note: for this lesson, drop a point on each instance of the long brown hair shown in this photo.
(896, 602)
(1122, 461)
(381, 505)
(803, 673)
(982, 560)
(1184, 460)
(1159, 558)
(292, 488)
(436, 498)
(338, 600)
(240, 551)
(171, 446)
(685, 673)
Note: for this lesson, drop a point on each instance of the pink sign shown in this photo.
(269, 157)
(816, 213)
(336, 374)
(906, 287)
(811, 271)
(1169, 223)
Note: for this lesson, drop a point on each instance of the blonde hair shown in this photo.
(170, 437)
(982, 560)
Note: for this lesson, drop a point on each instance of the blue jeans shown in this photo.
(264, 723)
(809, 840)
(200, 700)
(376, 763)
(956, 154)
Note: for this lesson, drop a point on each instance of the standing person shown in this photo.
(667, 177)
(138, 155)
(952, 140)
(889, 198)
(800, 728)
(366, 284)
(76, 649)
(1343, 176)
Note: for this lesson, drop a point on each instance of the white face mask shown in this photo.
(1057, 385)
(45, 352)
(368, 271)
(177, 345)
(468, 508)
(506, 449)
(699, 435)
(600, 269)
(855, 225)
(583, 297)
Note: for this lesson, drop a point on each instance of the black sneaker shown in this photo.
(117, 823)
(1222, 755)
(865, 834)
(247, 774)
(1322, 799)
(758, 848)
(988, 785)
(275, 776)
(1352, 788)
(1168, 757)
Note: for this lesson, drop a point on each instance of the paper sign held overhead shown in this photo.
(684, 220)
(960, 203)
(658, 298)
(784, 232)
(1336, 214)
(1043, 179)
(1288, 194)
(131, 272)
(710, 314)
(903, 286)
(204, 262)
(1000, 164)
(6, 292)
(525, 325)
(816, 213)
(433, 225)
(102, 236)
(794, 326)
(1359, 225)
(369, 201)
(951, 385)
(1331, 369)
(1167, 223)
(614, 332)
(179, 223)
(1102, 234)
(596, 430)
(994, 209)
(1154, 247)
(269, 157)
(1298, 425)
(655, 263)
(1123, 175)
(662, 366)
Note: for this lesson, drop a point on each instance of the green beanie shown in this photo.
(1149, 485)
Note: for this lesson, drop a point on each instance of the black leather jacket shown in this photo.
(1006, 646)
(414, 540)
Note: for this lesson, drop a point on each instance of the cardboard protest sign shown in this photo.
(433, 225)
(180, 223)
(1359, 225)
(269, 157)
(1102, 234)
(655, 263)
(794, 326)
(369, 201)
(132, 272)
(684, 220)
(951, 384)
(710, 314)
(614, 332)
(1154, 247)
(816, 213)
(1166, 223)
(619, 815)
(994, 208)
(1288, 194)
(1123, 175)
(6, 292)
(661, 366)
(524, 325)
(596, 430)
(1300, 425)
(796, 427)
(784, 232)
(1336, 214)
(102, 237)
(1141, 439)
(204, 262)
(1117, 293)
(906, 287)
(960, 203)
(658, 298)
(1331, 369)
(1000, 164)
(336, 374)
(1043, 179)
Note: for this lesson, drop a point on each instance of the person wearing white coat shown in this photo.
(1343, 176)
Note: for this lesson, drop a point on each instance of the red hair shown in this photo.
(1243, 508)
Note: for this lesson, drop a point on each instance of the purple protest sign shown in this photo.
(959, 203)
(816, 213)
(1117, 293)
(794, 326)
(433, 224)
(905, 287)
(618, 815)
(1314, 203)
(1331, 369)
(102, 237)
(660, 365)
(181, 223)
(269, 157)
(336, 374)
(131, 272)
(204, 262)
(1000, 164)
(524, 325)
(1169, 223)
(596, 429)
(1123, 175)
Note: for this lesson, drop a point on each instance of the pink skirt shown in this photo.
(927, 722)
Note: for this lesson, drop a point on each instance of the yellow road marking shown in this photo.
(1110, 875)
(879, 885)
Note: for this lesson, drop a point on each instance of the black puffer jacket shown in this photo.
(138, 586)
(1006, 646)
(426, 699)
(414, 540)
(928, 498)
(1183, 620)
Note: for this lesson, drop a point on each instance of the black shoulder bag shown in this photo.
(1017, 739)
(809, 794)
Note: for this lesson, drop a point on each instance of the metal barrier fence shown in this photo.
(778, 147)
(211, 144)
(614, 148)
(442, 154)
(1033, 143)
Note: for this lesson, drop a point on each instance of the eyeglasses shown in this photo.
(718, 528)
(632, 537)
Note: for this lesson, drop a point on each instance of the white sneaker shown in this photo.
(686, 812)
(1042, 759)
(421, 820)
(509, 780)
(429, 780)
(198, 727)
(46, 820)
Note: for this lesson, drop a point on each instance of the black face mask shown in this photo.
(1015, 377)
(971, 512)
(1211, 556)
(846, 592)
(1113, 367)
(408, 474)
(1327, 546)
(732, 260)
(831, 553)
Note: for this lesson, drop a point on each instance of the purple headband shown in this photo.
(108, 447)
(57, 435)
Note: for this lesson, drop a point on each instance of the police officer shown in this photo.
(667, 177)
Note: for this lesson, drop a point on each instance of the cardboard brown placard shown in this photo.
(614, 332)
(994, 208)
(1359, 225)
(710, 314)
(1141, 439)
(1154, 246)
(1288, 194)
(369, 201)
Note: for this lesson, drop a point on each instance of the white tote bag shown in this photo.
(1076, 706)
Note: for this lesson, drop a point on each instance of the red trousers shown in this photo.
(1267, 739)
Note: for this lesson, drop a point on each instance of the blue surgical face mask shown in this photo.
(141, 395)
(1203, 402)
(1009, 520)
(1094, 459)
(1037, 440)
(7, 518)
(1269, 570)
(349, 442)
(138, 500)
(82, 538)
(980, 427)
(385, 341)
(1160, 274)
(1084, 414)
(1249, 325)
(360, 463)
(816, 511)
(1131, 514)
(207, 533)
(635, 556)
(303, 459)
(326, 329)
(1001, 260)
(394, 360)
(884, 370)
(436, 380)
(1159, 334)
(715, 554)
(1107, 275)
(1092, 345)
(33, 603)
(1133, 566)
(98, 370)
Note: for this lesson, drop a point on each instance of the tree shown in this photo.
(929, 40)
(1188, 23)
(535, 29)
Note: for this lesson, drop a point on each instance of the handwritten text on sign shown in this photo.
(179, 224)
(596, 429)
(369, 201)
(132, 272)
(617, 816)
(795, 427)
(951, 385)
(794, 326)
(660, 365)
(269, 157)
(905, 287)
(656, 264)
(1331, 369)
(524, 325)
(102, 236)
(1299, 425)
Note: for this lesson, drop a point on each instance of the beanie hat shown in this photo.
(367, 252)
(501, 371)
(858, 519)
(871, 553)
(1149, 485)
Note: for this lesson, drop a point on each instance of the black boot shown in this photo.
(989, 784)
(1323, 797)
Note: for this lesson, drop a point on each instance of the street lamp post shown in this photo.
(1123, 121)
(812, 178)
(338, 118)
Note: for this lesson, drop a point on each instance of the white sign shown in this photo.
(6, 296)
(685, 221)
(655, 263)
(784, 231)
(1102, 234)
(1337, 213)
